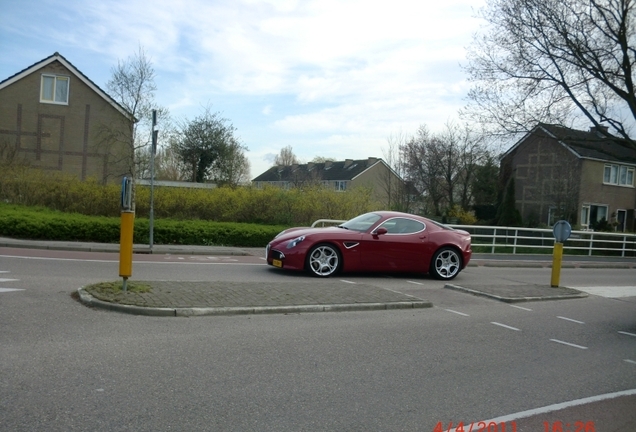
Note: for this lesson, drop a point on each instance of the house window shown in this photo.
(54, 89)
(341, 185)
(620, 175)
(592, 215)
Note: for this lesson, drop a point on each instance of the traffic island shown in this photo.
(163, 298)
(519, 293)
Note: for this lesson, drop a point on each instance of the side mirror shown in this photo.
(379, 231)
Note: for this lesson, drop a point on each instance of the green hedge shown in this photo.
(39, 223)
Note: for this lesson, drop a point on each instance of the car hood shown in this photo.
(292, 233)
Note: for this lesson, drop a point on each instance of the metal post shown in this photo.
(557, 258)
(153, 151)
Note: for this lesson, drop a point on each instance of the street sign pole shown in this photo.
(153, 151)
(561, 231)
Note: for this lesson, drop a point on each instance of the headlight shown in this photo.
(295, 242)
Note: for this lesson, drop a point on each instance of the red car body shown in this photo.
(381, 241)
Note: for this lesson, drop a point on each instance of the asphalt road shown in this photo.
(66, 367)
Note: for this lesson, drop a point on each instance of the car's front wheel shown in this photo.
(324, 260)
(446, 264)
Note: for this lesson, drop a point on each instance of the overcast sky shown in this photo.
(331, 78)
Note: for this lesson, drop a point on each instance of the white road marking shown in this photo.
(3, 290)
(522, 308)
(8, 280)
(455, 312)
(505, 326)
(628, 334)
(416, 283)
(569, 344)
(630, 361)
(570, 319)
(558, 407)
(608, 291)
(346, 281)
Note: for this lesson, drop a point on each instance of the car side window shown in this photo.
(402, 226)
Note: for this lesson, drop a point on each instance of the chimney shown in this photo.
(371, 161)
(310, 166)
(600, 129)
(328, 164)
(348, 162)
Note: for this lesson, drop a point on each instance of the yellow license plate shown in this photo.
(277, 263)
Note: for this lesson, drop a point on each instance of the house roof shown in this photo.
(68, 65)
(587, 144)
(328, 171)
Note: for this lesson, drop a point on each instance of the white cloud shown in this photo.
(341, 74)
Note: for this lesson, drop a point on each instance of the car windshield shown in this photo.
(361, 223)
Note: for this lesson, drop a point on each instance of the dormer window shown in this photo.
(54, 89)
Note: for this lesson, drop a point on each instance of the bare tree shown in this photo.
(441, 166)
(286, 157)
(169, 165)
(132, 85)
(232, 167)
(423, 167)
(554, 61)
(398, 196)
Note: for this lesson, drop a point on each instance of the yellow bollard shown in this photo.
(557, 257)
(126, 244)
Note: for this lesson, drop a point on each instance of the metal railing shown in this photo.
(514, 240)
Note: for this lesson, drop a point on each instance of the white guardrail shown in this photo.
(528, 240)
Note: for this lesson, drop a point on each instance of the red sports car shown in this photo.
(382, 241)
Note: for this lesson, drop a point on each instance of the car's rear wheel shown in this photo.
(324, 260)
(446, 264)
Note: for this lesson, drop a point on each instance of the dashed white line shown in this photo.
(522, 308)
(505, 326)
(3, 290)
(568, 344)
(416, 283)
(346, 281)
(628, 334)
(570, 319)
(630, 361)
(455, 312)
(8, 280)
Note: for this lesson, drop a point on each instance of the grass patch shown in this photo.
(116, 287)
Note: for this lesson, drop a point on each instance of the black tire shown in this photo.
(324, 260)
(446, 264)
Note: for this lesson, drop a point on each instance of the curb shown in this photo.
(576, 295)
(91, 301)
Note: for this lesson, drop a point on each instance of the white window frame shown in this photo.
(618, 175)
(341, 185)
(54, 99)
(585, 216)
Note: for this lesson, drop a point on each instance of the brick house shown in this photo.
(583, 176)
(341, 176)
(57, 119)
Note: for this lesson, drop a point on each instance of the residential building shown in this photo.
(341, 176)
(57, 119)
(584, 176)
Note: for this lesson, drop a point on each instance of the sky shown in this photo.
(330, 78)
